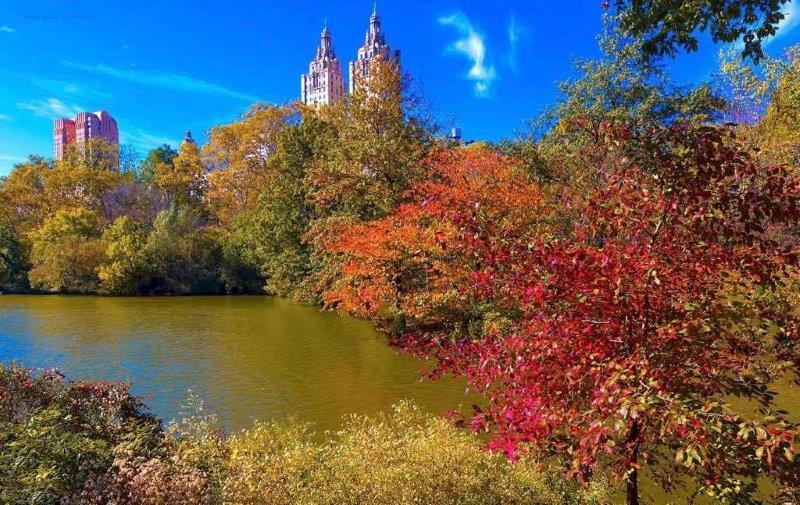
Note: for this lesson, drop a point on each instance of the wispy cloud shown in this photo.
(170, 81)
(51, 108)
(472, 44)
(6, 29)
(142, 140)
(77, 92)
(514, 32)
(4, 117)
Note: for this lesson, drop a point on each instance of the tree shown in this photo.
(747, 87)
(82, 177)
(276, 228)
(66, 252)
(623, 332)
(156, 158)
(668, 26)
(624, 86)
(240, 155)
(620, 87)
(781, 124)
(364, 172)
(413, 271)
(184, 180)
(184, 254)
(11, 268)
(125, 268)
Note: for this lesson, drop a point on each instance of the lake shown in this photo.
(246, 357)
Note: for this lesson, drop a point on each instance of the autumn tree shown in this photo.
(240, 155)
(622, 333)
(161, 155)
(781, 124)
(184, 179)
(412, 271)
(365, 171)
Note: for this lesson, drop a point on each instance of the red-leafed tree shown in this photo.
(613, 324)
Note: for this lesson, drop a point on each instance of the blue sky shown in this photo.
(161, 67)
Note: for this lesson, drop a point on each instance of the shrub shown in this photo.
(56, 435)
(402, 457)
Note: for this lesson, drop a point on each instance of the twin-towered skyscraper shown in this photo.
(324, 82)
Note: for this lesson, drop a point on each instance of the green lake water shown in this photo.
(246, 357)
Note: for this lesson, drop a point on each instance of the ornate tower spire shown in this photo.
(374, 46)
(324, 82)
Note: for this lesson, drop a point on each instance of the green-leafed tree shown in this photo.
(125, 269)
(154, 162)
(666, 26)
(185, 256)
(66, 252)
(620, 87)
(11, 267)
(283, 213)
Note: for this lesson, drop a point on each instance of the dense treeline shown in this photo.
(609, 282)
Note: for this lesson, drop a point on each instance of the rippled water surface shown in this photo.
(246, 357)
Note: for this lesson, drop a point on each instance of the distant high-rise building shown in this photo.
(374, 46)
(188, 139)
(324, 82)
(86, 126)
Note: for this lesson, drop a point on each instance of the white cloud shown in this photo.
(472, 44)
(51, 108)
(6, 29)
(4, 117)
(171, 81)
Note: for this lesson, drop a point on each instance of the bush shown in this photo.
(57, 435)
(402, 457)
(67, 442)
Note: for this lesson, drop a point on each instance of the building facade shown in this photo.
(324, 82)
(84, 127)
(375, 46)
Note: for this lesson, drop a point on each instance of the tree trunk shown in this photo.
(632, 481)
(632, 488)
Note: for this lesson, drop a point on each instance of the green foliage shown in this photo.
(154, 162)
(667, 26)
(126, 264)
(11, 267)
(624, 86)
(66, 251)
(282, 216)
(184, 254)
